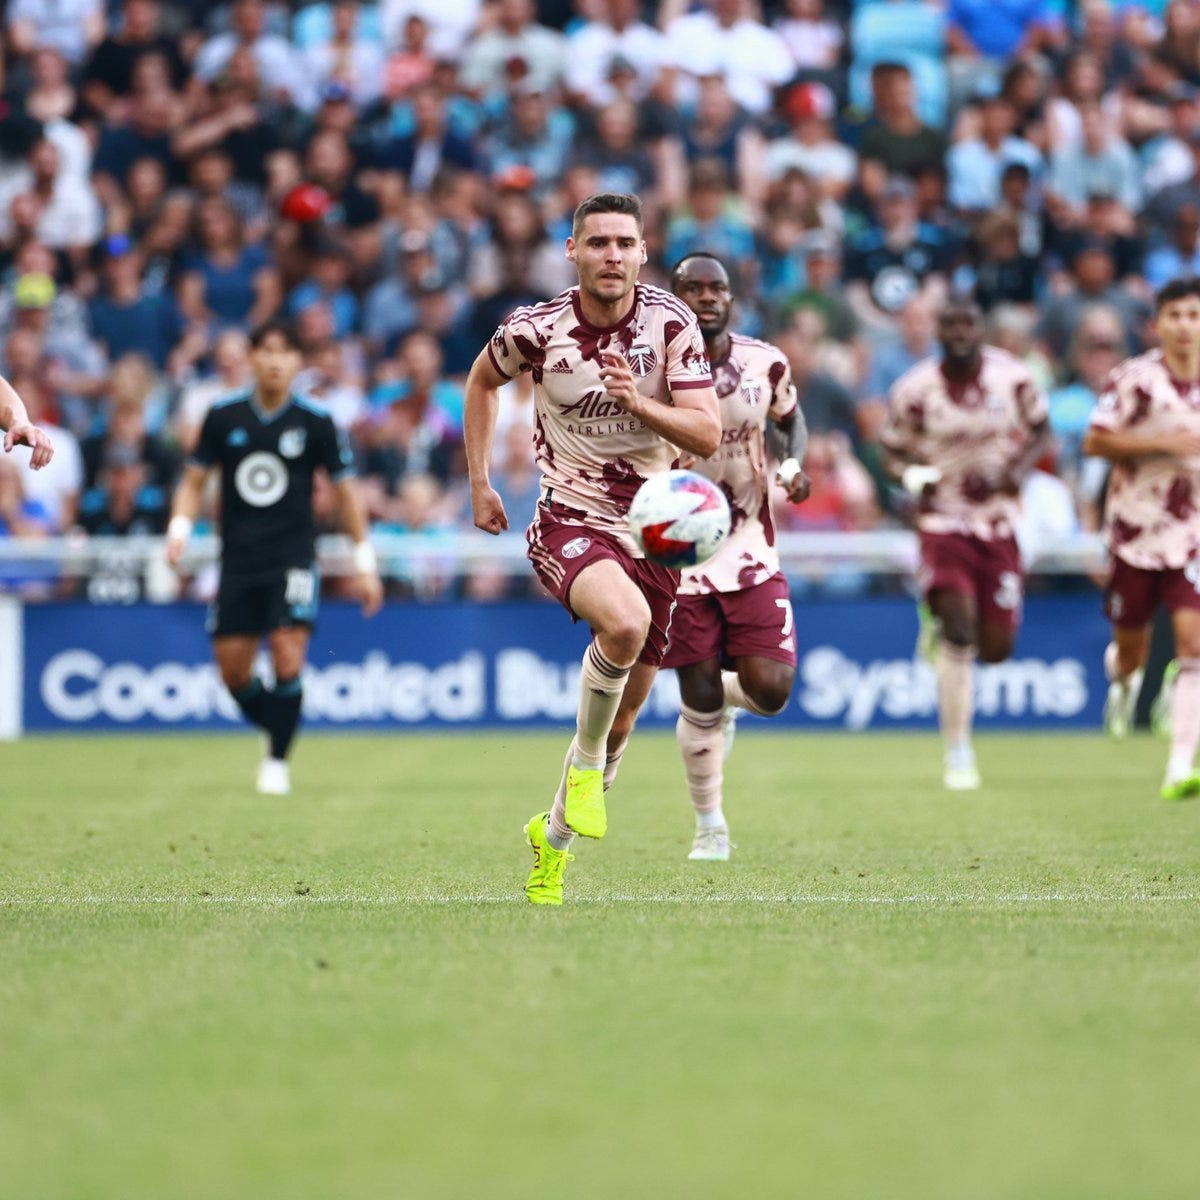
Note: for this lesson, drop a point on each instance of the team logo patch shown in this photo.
(237, 437)
(291, 442)
(751, 391)
(575, 547)
(261, 479)
(643, 360)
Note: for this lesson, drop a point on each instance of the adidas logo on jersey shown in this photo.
(562, 367)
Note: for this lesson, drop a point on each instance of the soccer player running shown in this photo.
(19, 430)
(1147, 423)
(734, 610)
(962, 432)
(621, 384)
(267, 443)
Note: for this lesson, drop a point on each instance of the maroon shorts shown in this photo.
(1132, 594)
(755, 622)
(559, 551)
(988, 570)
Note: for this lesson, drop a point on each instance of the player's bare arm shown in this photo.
(1115, 444)
(1041, 439)
(19, 430)
(185, 505)
(791, 471)
(692, 421)
(480, 406)
(353, 517)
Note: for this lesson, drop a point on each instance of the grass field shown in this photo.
(891, 992)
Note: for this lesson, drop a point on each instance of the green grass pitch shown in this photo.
(891, 992)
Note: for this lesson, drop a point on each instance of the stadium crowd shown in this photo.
(398, 177)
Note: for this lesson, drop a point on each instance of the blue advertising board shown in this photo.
(455, 666)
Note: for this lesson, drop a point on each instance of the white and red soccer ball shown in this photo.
(679, 519)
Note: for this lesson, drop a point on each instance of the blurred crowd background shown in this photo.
(399, 176)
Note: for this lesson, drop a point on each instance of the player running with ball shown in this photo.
(620, 383)
(1147, 422)
(962, 432)
(734, 610)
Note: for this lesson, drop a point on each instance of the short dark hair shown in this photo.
(1177, 289)
(687, 258)
(607, 202)
(280, 325)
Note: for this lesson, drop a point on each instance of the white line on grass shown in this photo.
(400, 900)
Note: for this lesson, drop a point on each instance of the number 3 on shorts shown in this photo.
(785, 634)
(1008, 594)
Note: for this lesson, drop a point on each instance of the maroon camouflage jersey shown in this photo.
(593, 454)
(1150, 518)
(753, 384)
(972, 433)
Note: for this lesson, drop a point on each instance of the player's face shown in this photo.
(608, 254)
(960, 330)
(276, 363)
(1178, 325)
(703, 286)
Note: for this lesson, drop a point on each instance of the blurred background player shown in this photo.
(961, 434)
(19, 430)
(1147, 423)
(734, 610)
(620, 380)
(266, 443)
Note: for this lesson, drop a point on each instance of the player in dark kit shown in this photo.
(267, 443)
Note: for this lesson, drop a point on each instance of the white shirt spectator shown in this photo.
(542, 50)
(815, 45)
(280, 66)
(595, 47)
(450, 22)
(975, 168)
(57, 486)
(71, 218)
(364, 73)
(752, 58)
(62, 24)
(823, 161)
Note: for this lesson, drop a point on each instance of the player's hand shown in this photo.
(619, 383)
(174, 551)
(38, 440)
(487, 510)
(370, 592)
(799, 489)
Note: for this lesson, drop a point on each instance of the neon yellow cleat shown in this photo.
(1184, 787)
(545, 882)
(929, 630)
(585, 802)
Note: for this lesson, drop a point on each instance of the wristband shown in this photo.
(917, 477)
(365, 560)
(179, 528)
(788, 470)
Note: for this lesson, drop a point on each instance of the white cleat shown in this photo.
(273, 778)
(711, 845)
(1121, 704)
(729, 716)
(961, 774)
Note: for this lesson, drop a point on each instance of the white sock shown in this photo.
(557, 840)
(712, 818)
(601, 684)
(735, 694)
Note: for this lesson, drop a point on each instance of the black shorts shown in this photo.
(256, 606)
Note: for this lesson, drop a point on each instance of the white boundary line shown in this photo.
(434, 901)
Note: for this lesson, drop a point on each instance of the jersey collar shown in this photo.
(269, 418)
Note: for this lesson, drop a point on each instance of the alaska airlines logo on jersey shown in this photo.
(751, 391)
(291, 442)
(642, 360)
(237, 437)
(575, 547)
(261, 479)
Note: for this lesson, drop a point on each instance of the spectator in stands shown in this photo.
(723, 38)
(814, 39)
(225, 281)
(515, 474)
(890, 264)
(123, 502)
(135, 402)
(718, 129)
(328, 284)
(827, 404)
(614, 152)
(72, 27)
(535, 136)
(108, 79)
(711, 222)
(1101, 38)
(350, 59)
(411, 64)
(68, 212)
(1166, 150)
(823, 293)
(982, 37)
(450, 22)
(915, 339)
(1025, 86)
(124, 318)
(431, 146)
(894, 135)
(230, 373)
(518, 233)
(615, 32)
(514, 47)
(146, 134)
(1160, 210)
(1019, 201)
(976, 164)
(1181, 256)
(1081, 88)
(842, 497)
(810, 145)
(1002, 274)
(1180, 44)
(1099, 162)
(51, 96)
(280, 67)
(1092, 282)
(328, 381)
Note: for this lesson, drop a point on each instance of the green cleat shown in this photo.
(545, 882)
(585, 802)
(1160, 710)
(1185, 787)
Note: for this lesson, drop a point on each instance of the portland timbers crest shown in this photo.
(643, 360)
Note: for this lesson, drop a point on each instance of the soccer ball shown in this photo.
(679, 519)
